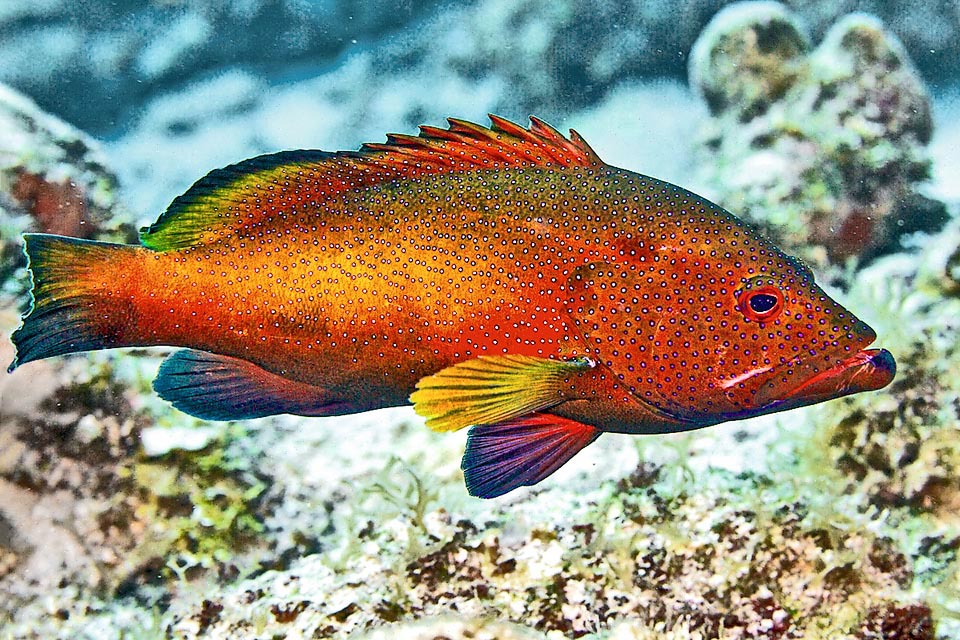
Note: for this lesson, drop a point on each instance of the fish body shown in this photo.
(500, 278)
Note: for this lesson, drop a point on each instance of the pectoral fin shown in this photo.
(493, 389)
(523, 451)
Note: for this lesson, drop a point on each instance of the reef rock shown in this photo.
(822, 147)
(54, 179)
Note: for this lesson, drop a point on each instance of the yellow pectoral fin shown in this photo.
(491, 389)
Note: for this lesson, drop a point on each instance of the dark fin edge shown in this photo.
(63, 315)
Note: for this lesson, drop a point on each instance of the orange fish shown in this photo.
(500, 278)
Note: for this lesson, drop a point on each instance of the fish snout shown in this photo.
(866, 370)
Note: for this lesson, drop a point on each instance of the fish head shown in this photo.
(761, 337)
(710, 322)
(746, 342)
(776, 341)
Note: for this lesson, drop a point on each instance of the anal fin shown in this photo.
(520, 452)
(215, 387)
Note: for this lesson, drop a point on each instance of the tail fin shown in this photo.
(75, 302)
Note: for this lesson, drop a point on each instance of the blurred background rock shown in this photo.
(825, 147)
(97, 63)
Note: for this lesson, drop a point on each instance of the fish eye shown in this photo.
(760, 304)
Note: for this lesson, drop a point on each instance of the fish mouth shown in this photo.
(866, 370)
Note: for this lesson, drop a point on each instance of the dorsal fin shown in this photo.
(250, 190)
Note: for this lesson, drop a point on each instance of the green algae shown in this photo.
(201, 510)
(401, 489)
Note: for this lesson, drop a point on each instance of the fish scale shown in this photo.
(503, 279)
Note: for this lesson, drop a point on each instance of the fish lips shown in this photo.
(866, 370)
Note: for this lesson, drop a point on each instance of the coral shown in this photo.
(912, 622)
(748, 57)
(618, 560)
(824, 149)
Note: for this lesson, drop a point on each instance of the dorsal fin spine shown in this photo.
(235, 192)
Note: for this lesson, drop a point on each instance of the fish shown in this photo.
(499, 278)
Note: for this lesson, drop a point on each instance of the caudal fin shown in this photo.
(76, 304)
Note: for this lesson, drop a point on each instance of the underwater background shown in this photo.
(836, 130)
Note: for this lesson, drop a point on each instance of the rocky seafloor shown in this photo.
(121, 517)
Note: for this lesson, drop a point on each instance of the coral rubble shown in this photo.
(620, 559)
